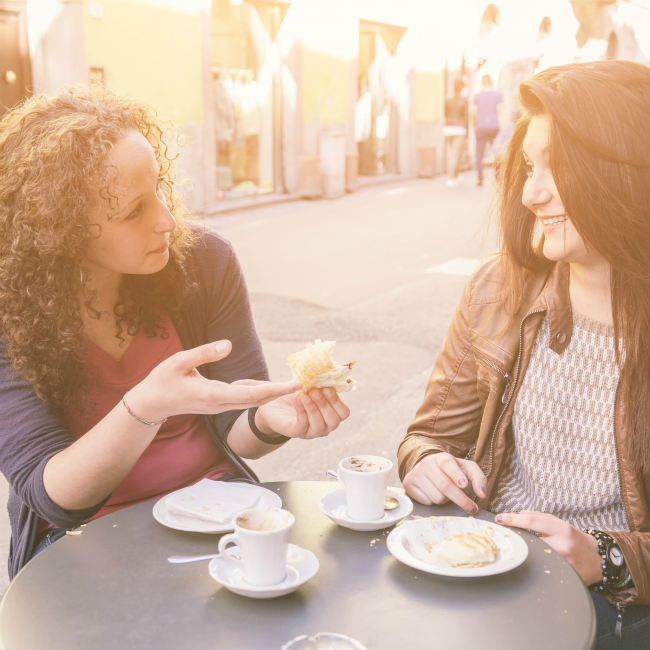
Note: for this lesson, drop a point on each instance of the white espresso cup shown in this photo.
(365, 479)
(262, 535)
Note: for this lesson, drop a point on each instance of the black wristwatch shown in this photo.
(612, 560)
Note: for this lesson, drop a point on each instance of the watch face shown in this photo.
(615, 556)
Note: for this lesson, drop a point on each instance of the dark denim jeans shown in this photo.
(636, 626)
(48, 539)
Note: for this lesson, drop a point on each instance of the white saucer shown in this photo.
(398, 546)
(335, 507)
(302, 565)
(268, 499)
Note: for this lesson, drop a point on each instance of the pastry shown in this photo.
(467, 550)
(315, 368)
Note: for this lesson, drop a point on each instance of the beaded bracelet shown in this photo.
(131, 413)
(627, 578)
(609, 578)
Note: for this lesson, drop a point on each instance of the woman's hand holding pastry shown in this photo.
(303, 415)
(577, 548)
(175, 386)
(439, 478)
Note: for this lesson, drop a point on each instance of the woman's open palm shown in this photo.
(175, 387)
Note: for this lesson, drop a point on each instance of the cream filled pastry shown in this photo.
(315, 368)
(470, 549)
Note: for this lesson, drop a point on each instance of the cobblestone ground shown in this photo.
(379, 271)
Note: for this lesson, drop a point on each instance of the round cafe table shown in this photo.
(112, 587)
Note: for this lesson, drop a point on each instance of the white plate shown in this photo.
(302, 565)
(398, 546)
(192, 525)
(335, 507)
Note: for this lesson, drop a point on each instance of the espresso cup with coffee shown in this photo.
(365, 479)
(262, 535)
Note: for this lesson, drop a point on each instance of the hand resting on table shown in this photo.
(439, 478)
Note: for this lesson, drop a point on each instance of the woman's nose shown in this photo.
(535, 193)
(165, 221)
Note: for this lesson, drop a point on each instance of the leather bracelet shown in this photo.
(269, 440)
(132, 414)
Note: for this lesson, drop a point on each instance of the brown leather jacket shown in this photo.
(470, 398)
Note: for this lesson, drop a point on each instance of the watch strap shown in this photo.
(612, 574)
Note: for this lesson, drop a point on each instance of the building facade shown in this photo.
(305, 97)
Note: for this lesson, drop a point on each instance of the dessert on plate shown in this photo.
(457, 542)
(315, 368)
(472, 549)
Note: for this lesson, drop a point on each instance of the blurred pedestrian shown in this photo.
(488, 117)
(455, 130)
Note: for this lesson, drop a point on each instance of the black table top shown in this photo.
(112, 587)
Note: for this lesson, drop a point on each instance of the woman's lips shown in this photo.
(162, 249)
(552, 220)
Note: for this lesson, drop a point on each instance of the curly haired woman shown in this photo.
(539, 397)
(105, 289)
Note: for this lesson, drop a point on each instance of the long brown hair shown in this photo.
(599, 151)
(54, 154)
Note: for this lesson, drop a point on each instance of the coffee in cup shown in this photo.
(363, 464)
(262, 535)
(365, 479)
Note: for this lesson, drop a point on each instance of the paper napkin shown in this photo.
(214, 501)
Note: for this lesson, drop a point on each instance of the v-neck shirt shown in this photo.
(181, 453)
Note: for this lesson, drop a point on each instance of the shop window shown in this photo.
(375, 120)
(244, 108)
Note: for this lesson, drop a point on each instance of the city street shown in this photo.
(380, 272)
(368, 271)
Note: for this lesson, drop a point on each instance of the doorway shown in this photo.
(15, 67)
(376, 116)
(246, 106)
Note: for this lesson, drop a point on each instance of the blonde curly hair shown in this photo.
(54, 153)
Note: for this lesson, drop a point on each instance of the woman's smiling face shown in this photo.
(540, 195)
(135, 225)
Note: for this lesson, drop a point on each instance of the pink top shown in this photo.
(182, 451)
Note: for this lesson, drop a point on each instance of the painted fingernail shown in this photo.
(499, 519)
(482, 490)
(462, 481)
(474, 510)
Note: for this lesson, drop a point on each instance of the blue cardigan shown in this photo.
(32, 432)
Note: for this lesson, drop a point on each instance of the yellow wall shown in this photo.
(429, 96)
(325, 87)
(151, 51)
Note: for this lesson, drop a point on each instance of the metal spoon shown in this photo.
(182, 559)
(389, 504)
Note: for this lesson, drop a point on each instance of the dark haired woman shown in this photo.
(539, 398)
(110, 307)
